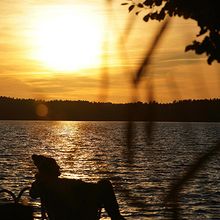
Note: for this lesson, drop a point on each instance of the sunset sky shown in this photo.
(83, 50)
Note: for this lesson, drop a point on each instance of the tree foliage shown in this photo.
(205, 12)
(185, 110)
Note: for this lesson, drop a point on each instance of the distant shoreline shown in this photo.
(45, 120)
(57, 110)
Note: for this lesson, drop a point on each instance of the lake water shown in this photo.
(94, 150)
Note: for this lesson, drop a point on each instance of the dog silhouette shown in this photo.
(66, 199)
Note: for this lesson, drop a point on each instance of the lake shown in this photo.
(94, 150)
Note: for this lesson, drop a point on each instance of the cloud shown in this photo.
(13, 87)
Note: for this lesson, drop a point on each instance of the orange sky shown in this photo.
(59, 49)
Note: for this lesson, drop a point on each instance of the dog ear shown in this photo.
(46, 165)
(35, 158)
(38, 160)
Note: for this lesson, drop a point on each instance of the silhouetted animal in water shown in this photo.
(68, 199)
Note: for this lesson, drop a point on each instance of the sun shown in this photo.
(67, 39)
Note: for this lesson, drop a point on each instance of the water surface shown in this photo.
(94, 150)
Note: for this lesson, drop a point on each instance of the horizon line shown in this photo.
(100, 102)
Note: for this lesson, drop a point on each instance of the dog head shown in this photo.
(46, 165)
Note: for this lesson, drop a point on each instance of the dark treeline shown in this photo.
(186, 110)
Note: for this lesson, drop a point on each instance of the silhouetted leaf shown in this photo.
(205, 13)
(189, 47)
(140, 5)
(158, 2)
(131, 8)
(148, 2)
(146, 18)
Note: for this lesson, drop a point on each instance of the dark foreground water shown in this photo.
(93, 150)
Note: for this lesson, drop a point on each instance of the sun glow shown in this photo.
(67, 39)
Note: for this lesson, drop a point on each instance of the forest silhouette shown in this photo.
(206, 110)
